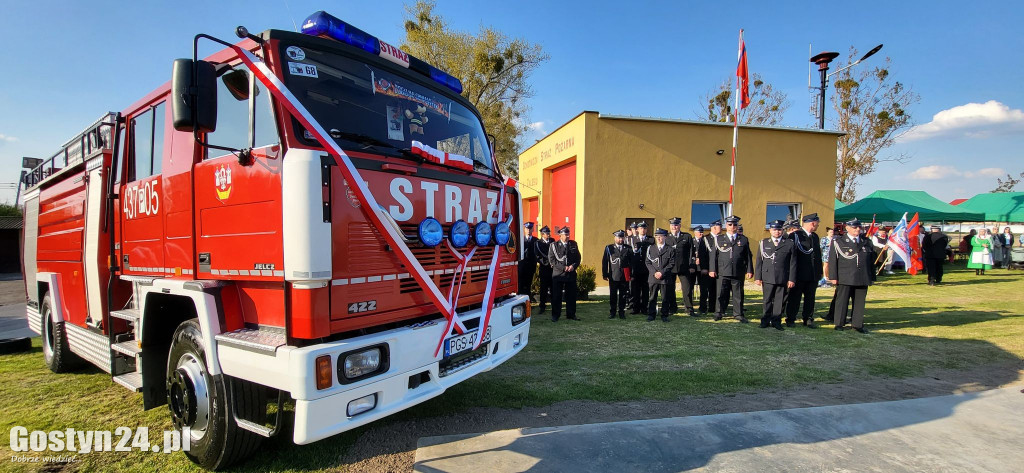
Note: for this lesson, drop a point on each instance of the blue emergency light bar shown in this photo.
(322, 23)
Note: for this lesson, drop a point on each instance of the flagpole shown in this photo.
(735, 127)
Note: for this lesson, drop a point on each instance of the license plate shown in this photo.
(464, 342)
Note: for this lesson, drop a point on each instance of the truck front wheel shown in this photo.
(201, 402)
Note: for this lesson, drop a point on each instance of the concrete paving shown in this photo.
(963, 432)
(13, 323)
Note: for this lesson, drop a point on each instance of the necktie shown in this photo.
(732, 237)
(776, 242)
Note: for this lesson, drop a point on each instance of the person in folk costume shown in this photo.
(776, 273)
(851, 270)
(981, 252)
(541, 247)
(731, 263)
(809, 271)
(881, 242)
(660, 259)
(933, 250)
(615, 266)
(528, 263)
(639, 290)
(826, 244)
(683, 244)
(565, 257)
(708, 283)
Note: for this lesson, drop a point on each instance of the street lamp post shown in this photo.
(823, 60)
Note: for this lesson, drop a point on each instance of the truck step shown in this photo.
(130, 314)
(255, 428)
(129, 347)
(132, 380)
(144, 280)
(263, 340)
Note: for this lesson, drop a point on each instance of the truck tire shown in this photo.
(201, 402)
(56, 352)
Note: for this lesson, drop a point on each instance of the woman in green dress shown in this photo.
(981, 252)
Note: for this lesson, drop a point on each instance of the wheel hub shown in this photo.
(188, 396)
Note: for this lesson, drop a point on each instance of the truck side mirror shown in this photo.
(194, 96)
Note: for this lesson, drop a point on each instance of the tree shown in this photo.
(9, 210)
(494, 70)
(767, 105)
(1008, 184)
(871, 109)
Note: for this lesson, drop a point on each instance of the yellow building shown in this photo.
(600, 173)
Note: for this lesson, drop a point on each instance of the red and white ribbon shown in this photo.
(369, 204)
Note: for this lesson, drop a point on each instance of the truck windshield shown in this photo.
(364, 106)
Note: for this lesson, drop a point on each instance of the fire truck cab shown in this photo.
(312, 219)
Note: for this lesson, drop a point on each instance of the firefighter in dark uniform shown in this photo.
(660, 259)
(851, 270)
(731, 263)
(708, 283)
(776, 272)
(541, 247)
(933, 248)
(696, 275)
(683, 244)
(528, 264)
(639, 290)
(615, 263)
(564, 256)
(807, 247)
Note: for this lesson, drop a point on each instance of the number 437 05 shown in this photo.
(356, 307)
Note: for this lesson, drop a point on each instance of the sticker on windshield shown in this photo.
(302, 69)
(295, 53)
(395, 119)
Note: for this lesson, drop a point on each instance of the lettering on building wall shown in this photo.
(552, 150)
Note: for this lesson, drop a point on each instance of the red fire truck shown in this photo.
(316, 216)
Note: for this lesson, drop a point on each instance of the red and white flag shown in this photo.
(742, 75)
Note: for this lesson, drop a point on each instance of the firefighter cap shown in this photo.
(632, 225)
(642, 224)
(619, 233)
(545, 229)
(661, 231)
(853, 223)
(528, 225)
(811, 218)
(716, 223)
(732, 219)
(675, 221)
(777, 225)
(563, 231)
(698, 228)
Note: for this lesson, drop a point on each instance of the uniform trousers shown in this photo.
(730, 286)
(545, 286)
(639, 292)
(708, 292)
(619, 295)
(844, 294)
(934, 267)
(774, 300)
(656, 289)
(563, 288)
(526, 271)
(806, 290)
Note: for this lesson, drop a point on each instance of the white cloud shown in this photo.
(934, 173)
(972, 120)
(536, 126)
(6, 138)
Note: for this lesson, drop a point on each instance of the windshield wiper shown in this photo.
(368, 140)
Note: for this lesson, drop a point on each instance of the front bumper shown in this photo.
(322, 413)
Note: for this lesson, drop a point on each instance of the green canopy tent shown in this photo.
(889, 206)
(839, 204)
(997, 207)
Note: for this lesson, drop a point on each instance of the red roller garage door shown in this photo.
(563, 198)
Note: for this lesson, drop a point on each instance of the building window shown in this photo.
(703, 213)
(781, 211)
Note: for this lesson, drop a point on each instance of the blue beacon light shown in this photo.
(459, 234)
(325, 24)
(482, 234)
(430, 232)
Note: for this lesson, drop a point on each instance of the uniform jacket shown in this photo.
(776, 264)
(639, 246)
(529, 252)
(732, 259)
(684, 246)
(561, 255)
(663, 261)
(850, 263)
(615, 260)
(807, 251)
(540, 248)
(934, 245)
(705, 251)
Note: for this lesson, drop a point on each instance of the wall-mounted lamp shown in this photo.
(720, 152)
(641, 205)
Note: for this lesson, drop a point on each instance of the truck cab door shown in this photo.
(142, 228)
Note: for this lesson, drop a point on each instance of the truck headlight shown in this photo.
(362, 363)
(518, 314)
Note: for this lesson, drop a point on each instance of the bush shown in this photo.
(586, 280)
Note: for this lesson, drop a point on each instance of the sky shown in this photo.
(64, 64)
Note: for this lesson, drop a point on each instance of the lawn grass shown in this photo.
(966, 323)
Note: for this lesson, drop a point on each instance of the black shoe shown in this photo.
(691, 313)
(634, 312)
(622, 315)
(840, 328)
(790, 324)
(611, 316)
(777, 324)
(542, 310)
(574, 318)
(809, 323)
(764, 323)
(664, 319)
(741, 318)
(650, 318)
(718, 316)
(554, 319)
(861, 329)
